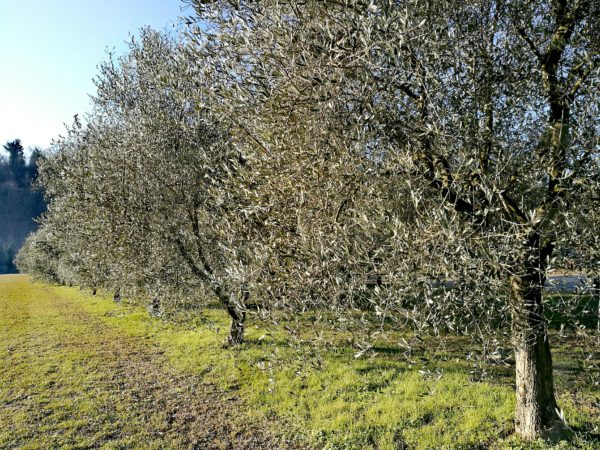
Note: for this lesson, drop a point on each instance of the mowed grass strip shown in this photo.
(69, 380)
(324, 396)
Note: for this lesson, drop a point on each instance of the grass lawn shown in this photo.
(78, 371)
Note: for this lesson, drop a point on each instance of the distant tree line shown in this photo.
(393, 164)
(20, 204)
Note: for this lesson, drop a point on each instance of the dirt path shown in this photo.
(67, 380)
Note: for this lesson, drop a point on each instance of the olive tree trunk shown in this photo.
(596, 285)
(236, 308)
(537, 414)
(236, 331)
(155, 306)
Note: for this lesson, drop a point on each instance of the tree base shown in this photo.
(558, 431)
(227, 344)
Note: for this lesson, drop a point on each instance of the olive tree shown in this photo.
(39, 256)
(144, 194)
(486, 112)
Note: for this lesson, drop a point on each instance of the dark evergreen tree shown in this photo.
(32, 167)
(16, 161)
(20, 204)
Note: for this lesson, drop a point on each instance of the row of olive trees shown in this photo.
(420, 160)
(144, 196)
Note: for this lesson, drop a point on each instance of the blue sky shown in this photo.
(49, 50)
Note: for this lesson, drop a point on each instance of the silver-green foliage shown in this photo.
(144, 193)
(483, 116)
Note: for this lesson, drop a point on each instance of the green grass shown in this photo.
(379, 401)
(49, 396)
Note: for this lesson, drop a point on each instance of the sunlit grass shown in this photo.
(378, 401)
(53, 385)
(343, 402)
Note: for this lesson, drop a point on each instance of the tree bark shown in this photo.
(236, 331)
(537, 413)
(155, 307)
(536, 409)
(237, 312)
(596, 285)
